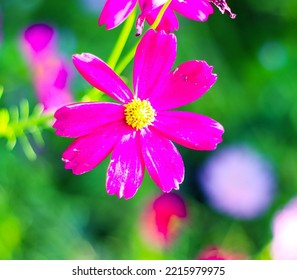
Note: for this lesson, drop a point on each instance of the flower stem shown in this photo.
(122, 40)
(94, 94)
(129, 56)
(160, 15)
(126, 60)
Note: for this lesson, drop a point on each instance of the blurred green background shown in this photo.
(46, 212)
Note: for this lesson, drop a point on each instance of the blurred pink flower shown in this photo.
(38, 39)
(139, 130)
(50, 73)
(284, 230)
(238, 181)
(217, 253)
(162, 219)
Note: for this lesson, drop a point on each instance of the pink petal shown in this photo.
(88, 151)
(185, 84)
(147, 8)
(154, 58)
(162, 160)
(126, 168)
(79, 119)
(223, 7)
(115, 12)
(168, 23)
(148, 5)
(102, 77)
(193, 9)
(191, 130)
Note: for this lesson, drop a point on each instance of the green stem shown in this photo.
(122, 40)
(126, 60)
(94, 94)
(129, 56)
(160, 15)
(120, 44)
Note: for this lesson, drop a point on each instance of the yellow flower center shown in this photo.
(139, 113)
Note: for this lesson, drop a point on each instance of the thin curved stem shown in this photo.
(94, 94)
(129, 56)
(122, 40)
(126, 60)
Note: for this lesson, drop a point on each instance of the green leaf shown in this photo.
(28, 150)
(17, 123)
(4, 120)
(24, 109)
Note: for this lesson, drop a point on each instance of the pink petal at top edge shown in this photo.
(101, 76)
(162, 160)
(191, 130)
(147, 8)
(188, 82)
(126, 168)
(115, 12)
(79, 119)
(223, 7)
(154, 58)
(194, 9)
(148, 5)
(168, 23)
(86, 152)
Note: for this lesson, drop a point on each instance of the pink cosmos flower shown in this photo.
(138, 130)
(162, 219)
(198, 10)
(50, 73)
(116, 11)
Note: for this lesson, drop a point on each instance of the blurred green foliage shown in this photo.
(48, 213)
